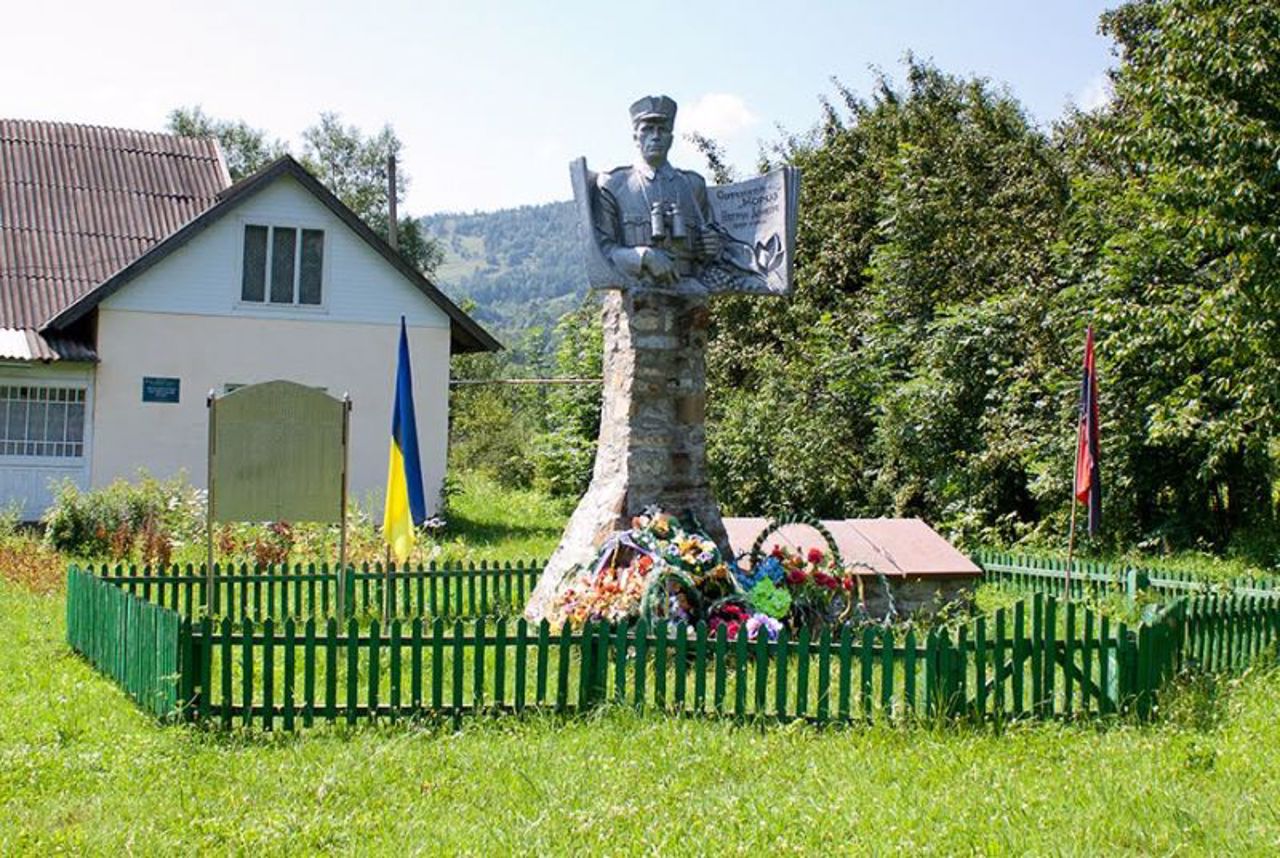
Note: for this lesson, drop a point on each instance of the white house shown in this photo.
(135, 278)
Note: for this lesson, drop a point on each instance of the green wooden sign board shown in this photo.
(277, 452)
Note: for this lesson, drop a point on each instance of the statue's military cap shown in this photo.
(653, 107)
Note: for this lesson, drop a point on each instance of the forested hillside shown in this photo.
(522, 267)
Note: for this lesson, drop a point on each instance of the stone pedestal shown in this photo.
(652, 448)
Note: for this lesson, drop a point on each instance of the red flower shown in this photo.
(848, 582)
(776, 552)
(796, 577)
(733, 630)
(815, 556)
(822, 579)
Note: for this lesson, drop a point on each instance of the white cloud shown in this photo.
(718, 115)
(1096, 93)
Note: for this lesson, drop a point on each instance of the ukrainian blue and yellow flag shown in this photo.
(406, 505)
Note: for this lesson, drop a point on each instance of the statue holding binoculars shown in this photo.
(659, 242)
(652, 221)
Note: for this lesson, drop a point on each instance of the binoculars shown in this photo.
(667, 223)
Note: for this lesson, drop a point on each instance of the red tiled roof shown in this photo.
(79, 202)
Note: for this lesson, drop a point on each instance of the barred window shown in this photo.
(42, 421)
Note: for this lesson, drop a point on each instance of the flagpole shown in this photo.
(1071, 538)
(386, 597)
(1071, 533)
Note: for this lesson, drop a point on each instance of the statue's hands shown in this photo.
(710, 244)
(659, 265)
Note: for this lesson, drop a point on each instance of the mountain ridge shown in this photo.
(522, 267)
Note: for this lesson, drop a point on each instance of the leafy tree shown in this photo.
(245, 148)
(354, 167)
(950, 256)
(1179, 217)
(349, 163)
(962, 276)
(926, 221)
(494, 426)
(565, 450)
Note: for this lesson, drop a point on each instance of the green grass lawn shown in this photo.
(83, 771)
(490, 522)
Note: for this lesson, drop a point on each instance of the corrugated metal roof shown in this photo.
(28, 344)
(892, 546)
(80, 202)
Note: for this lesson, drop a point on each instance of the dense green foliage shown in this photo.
(146, 520)
(1176, 236)
(349, 163)
(541, 435)
(913, 370)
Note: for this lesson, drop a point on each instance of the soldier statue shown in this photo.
(652, 220)
(657, 252)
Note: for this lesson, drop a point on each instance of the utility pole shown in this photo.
(392, 223)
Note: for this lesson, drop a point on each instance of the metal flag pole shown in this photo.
(1071, 538)
(1071, 535)
(341, 576)
(208, 519)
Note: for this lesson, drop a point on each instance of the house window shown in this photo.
(42, 421)
(282, 265)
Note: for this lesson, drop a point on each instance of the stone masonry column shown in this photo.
(652, 447)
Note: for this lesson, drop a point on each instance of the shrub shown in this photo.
(148, 519)
(562, 463)
(163, 521)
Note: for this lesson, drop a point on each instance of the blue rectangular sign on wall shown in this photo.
(159, 389)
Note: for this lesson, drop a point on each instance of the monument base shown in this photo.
(652, 447)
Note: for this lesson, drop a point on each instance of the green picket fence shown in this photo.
(1041, 658)
(1223, 634)
(1049, 574)
(289, 674)
(311, 590)
(134, 642)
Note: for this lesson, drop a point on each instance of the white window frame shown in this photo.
(73, 462)
(266, 304)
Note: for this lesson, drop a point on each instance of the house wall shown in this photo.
(28, 482)
(183, 319)
(206, 353)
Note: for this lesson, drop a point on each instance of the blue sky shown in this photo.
(493, 99)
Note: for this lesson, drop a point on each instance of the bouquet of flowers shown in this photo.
(818, 590)
(663, 568)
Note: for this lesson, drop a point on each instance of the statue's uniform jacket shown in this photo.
(624, 198)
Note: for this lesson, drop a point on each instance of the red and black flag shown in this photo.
(1088, 484)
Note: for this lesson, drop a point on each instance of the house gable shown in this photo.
(465, 334)
(204, 276)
